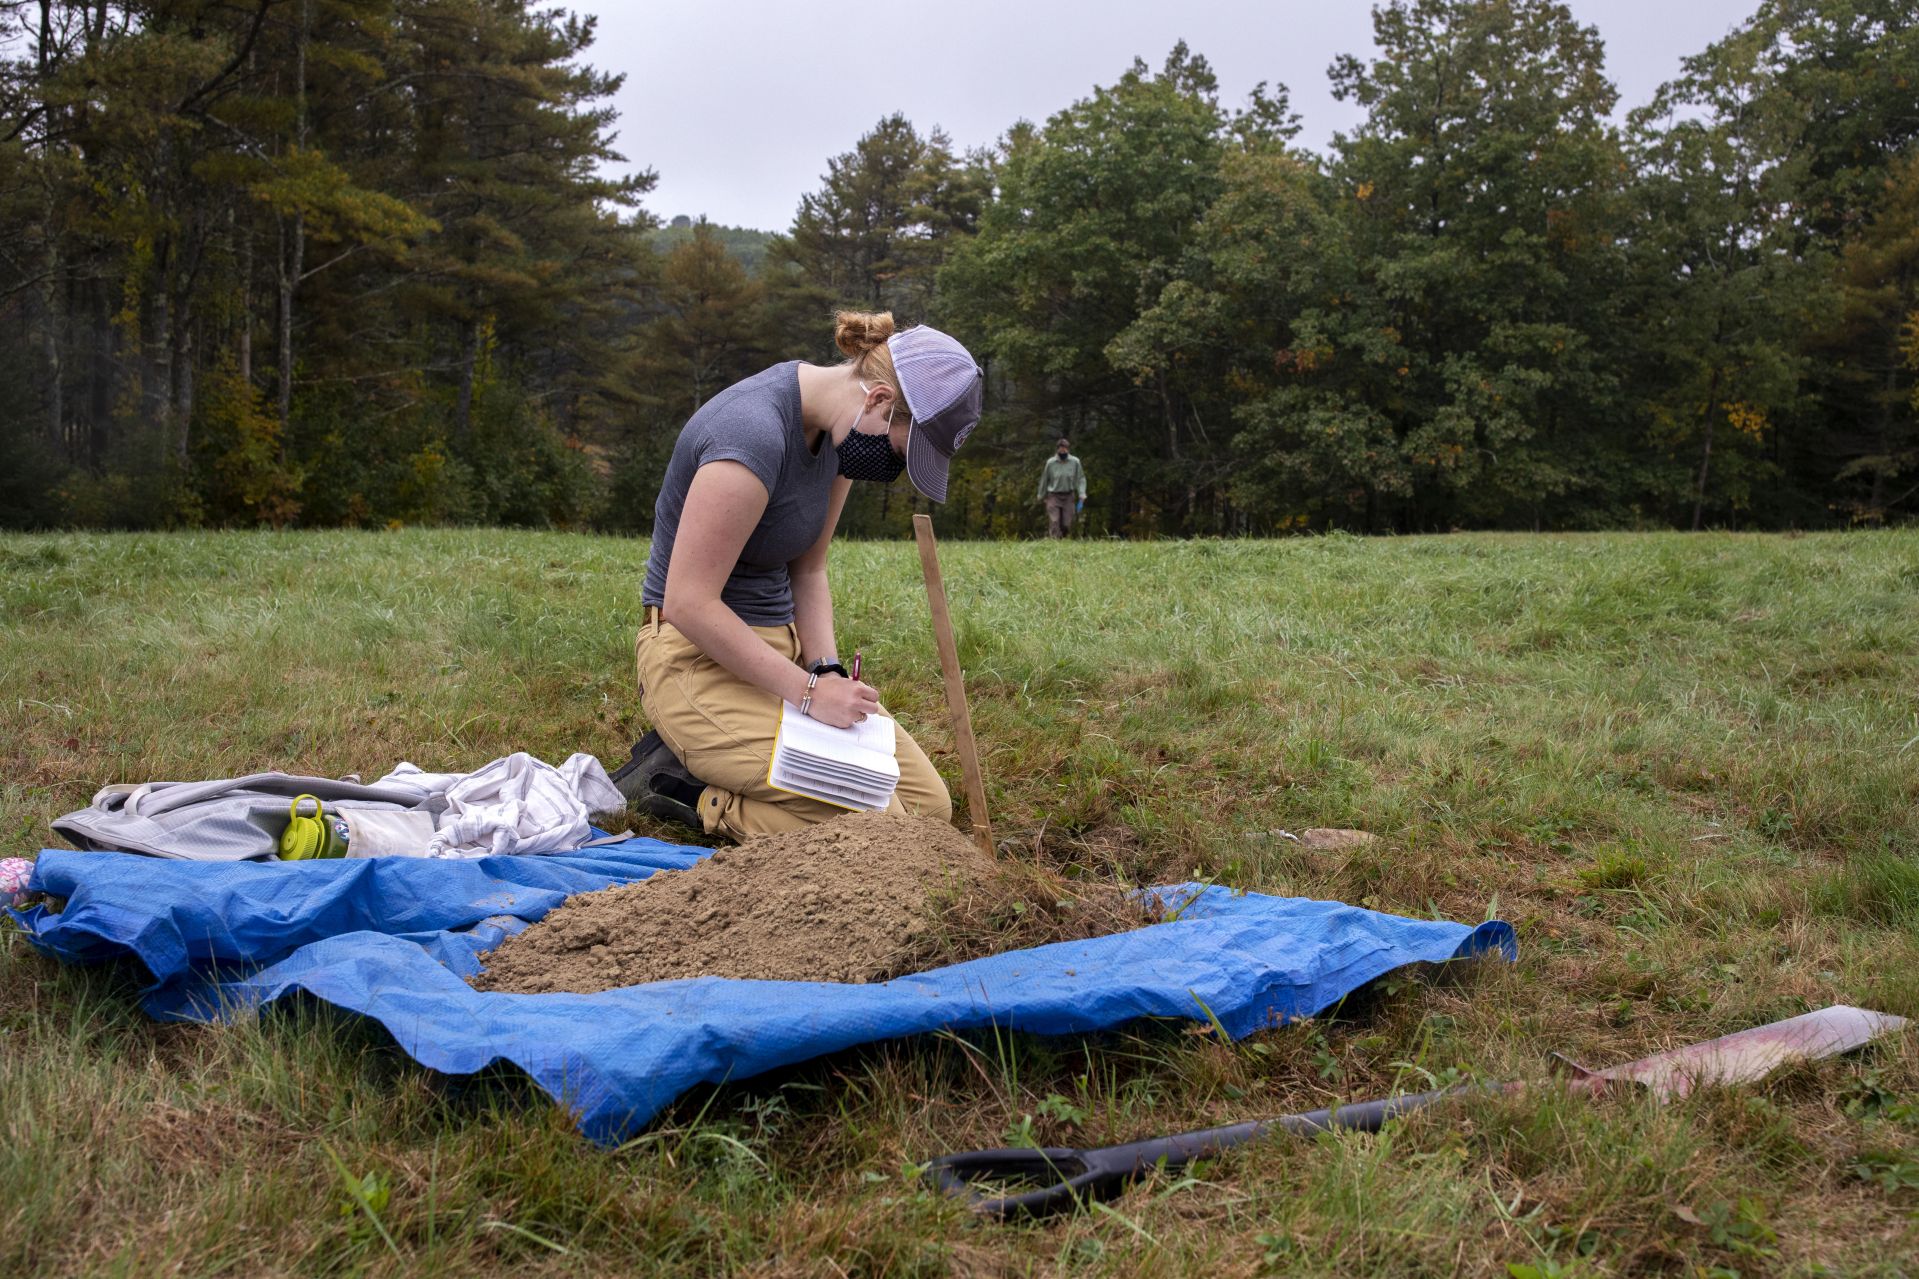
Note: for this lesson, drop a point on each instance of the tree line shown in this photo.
(361, 262)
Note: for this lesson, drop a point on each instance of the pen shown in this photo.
(856, 665)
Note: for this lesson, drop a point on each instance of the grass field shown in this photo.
(1685, 768)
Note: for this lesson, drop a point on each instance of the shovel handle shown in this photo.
(1068, 1177)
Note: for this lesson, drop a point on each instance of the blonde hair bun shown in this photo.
(857, 332)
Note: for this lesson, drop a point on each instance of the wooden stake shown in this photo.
(955, 684)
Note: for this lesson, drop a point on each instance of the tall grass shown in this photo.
(1687, 768)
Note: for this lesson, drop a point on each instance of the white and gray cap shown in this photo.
(943, 389)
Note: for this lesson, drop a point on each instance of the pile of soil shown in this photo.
(862, 898)
(840, 901)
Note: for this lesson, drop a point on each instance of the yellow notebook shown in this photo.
(847, 767)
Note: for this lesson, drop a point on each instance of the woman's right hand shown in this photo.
(843, 702)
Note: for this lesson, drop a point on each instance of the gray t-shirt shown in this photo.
(756, 423)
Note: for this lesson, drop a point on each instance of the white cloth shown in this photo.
(514, 805)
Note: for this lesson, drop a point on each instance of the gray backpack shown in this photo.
(236, 819)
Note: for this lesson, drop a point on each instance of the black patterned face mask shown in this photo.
(870, 457)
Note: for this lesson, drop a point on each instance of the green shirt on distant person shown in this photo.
(1063, 475)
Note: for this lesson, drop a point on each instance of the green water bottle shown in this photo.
(308, 838)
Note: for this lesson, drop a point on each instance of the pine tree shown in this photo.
(887, 212)
(1866, 354)
(711, 330)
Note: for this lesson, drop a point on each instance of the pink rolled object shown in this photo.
(15, 872)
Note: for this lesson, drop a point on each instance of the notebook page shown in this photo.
(804, 733)
(847, 767)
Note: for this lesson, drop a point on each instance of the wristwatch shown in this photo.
(825, 666)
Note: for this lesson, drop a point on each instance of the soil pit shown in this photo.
(862, 898)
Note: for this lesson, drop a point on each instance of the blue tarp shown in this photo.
(177, 917)
(393, 939)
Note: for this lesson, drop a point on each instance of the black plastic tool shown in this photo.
(1067, 1177)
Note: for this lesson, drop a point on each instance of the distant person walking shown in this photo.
(1062, 487)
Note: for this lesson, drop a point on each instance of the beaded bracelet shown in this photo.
(806, 703)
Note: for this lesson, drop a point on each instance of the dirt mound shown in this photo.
(863, 898)
(846, 900)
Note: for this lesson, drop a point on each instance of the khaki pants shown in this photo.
(1059, 514)
(722, 728)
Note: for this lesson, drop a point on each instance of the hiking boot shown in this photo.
(655, 782)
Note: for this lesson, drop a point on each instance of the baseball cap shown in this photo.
(943, 388)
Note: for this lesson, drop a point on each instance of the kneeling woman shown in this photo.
(738, 613)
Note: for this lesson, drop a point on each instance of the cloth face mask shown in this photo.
(870, 457)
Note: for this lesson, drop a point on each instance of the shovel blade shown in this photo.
(1750, 1055)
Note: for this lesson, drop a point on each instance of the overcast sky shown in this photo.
(737, 104)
